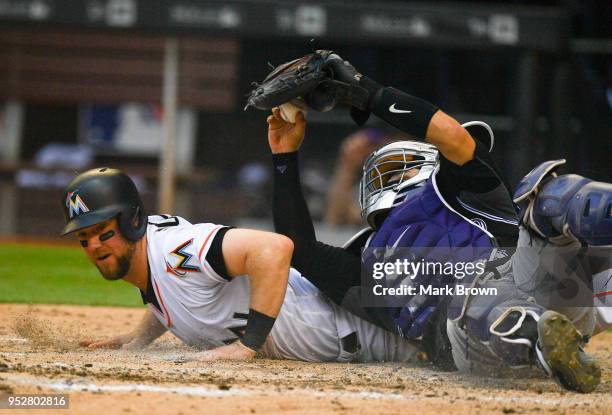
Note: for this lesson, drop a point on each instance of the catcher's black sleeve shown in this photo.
(331, 269)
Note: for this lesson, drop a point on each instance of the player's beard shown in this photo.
(124, 263)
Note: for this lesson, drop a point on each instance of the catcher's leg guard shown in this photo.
(513, 329)
(509, 330)
(559, 351)
(499, 331)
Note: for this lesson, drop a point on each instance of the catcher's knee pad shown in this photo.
(565, 208)
(589, 216)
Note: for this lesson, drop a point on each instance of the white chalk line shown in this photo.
(13, 339)
(67, 385)
(70, 386)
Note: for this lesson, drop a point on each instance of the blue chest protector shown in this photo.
(425, 224)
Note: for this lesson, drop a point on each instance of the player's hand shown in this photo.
(234, 351)
(342, 70)
(283, 136)
(115, 342)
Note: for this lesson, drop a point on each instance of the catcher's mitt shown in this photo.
(293, 79)
(319, 80)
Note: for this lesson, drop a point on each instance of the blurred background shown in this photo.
(157, 88)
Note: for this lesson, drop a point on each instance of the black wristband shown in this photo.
(257, 329)
(403, 111)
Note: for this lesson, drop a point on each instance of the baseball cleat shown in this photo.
(560, 351)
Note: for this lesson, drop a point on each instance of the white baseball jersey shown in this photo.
(206, 310)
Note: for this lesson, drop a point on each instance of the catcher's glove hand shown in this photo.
(322, 79)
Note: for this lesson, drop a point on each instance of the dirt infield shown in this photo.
(39, 353)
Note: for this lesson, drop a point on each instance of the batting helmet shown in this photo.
(101, 194)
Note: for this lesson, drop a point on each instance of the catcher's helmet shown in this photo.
(101, 194)
(385, 183)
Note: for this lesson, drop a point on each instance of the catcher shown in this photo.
(214, 287)
(447, 193)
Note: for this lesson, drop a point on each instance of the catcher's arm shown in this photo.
(453, 141)
(147, 331)
(323, 80)
(410, 114)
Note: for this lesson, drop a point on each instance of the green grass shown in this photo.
(57, 275)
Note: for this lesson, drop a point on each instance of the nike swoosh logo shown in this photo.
(397, 241)
(395, 110)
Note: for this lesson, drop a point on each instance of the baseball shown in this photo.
(288, 112)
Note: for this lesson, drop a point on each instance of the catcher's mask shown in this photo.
(391, 173)
(101, 194)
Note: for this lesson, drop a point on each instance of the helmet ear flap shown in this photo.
(132, 223)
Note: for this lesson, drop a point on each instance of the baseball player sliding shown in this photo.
(214, 287)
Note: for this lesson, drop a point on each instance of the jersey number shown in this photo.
(167, 222)
(239, 330)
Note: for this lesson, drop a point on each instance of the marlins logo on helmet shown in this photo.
(183, 266)
(75, 204)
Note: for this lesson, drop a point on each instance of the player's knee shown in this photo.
(277, 249)
(284, 247)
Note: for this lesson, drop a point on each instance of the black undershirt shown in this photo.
(479, 175)
(214, 256)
